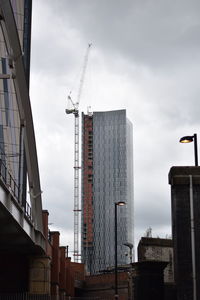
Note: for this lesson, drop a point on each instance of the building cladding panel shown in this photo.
(11, 131)
(110, 155)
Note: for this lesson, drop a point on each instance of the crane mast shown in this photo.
(75, 111)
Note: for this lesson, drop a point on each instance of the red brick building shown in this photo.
(55, 274)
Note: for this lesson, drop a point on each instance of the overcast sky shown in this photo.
(145, 58)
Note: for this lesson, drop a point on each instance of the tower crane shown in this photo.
(75, 112)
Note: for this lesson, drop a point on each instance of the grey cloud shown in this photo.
(153, 216)
(148, 32)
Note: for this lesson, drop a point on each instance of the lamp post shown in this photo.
(130, 246)
(189, 139)
(120, 203)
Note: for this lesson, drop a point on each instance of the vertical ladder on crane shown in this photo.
(75, 111)
(76, 188)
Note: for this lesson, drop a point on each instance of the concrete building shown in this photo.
(185, 205)
(12, 153)
(156, 249)
(107, 177)
(21, 225)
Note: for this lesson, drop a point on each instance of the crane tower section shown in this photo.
(75, 112)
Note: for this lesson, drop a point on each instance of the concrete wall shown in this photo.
(185, 193)
(156, 249)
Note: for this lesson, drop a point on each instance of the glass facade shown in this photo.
(12, 157)
(111, 181)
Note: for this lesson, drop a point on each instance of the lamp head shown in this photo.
(187, 139)
(120, 203)
(129, 245)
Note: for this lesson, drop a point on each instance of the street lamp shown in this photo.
(120, 203)
(189, 139)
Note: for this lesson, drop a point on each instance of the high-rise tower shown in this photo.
(107, 177)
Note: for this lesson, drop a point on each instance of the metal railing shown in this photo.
(8, 180)
(24, 296)
(27, 296)
(13, 188)
(89, 298)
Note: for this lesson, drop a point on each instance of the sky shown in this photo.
(144, 58)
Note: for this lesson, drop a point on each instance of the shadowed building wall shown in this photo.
(185, 193)
(148, 280)
(157, 249)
